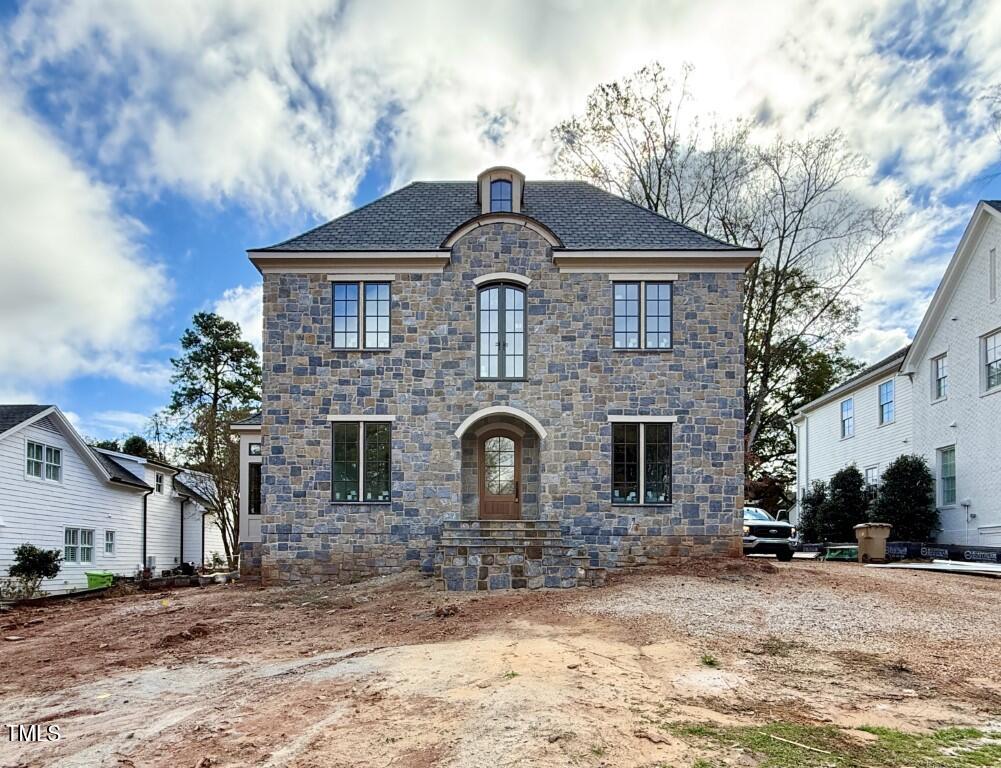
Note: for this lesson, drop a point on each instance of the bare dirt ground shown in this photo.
(392, 673)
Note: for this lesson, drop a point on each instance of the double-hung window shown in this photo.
(361, 315)
(939, 377)
(78, 545)
(641, 463)
(871, 481)
(947, 476)
(642, 315)
(501, 331)
(848, 417)
(109, 542)
(158, 482)
(886, 402)
(362, 464)
(992, 361)
(43, 461)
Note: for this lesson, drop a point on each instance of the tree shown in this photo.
(847, 504)
(107, 445)
(906, 499)
(136, 445)
(217, 380)
(796, 200)
(31, 565)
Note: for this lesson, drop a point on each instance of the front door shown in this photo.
(500, 476)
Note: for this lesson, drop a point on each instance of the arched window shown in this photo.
(501, 331)
(500, 195)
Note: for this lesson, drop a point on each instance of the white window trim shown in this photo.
(939, 498)
(78, 560)
(365, 417)
(934, 378)
(160, 483)
(841, 418)
(44, 462)
(113, 542)
(615, 418)
(982, 358)
(642, 280)
(879, 405)
(361, 281)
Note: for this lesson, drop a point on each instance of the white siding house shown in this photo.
(76, 506)
(947, 398)
(106, 511)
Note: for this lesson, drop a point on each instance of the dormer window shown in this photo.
(500, 190)
(500, 195)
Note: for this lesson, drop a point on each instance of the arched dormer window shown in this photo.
(500, 331)
(500, 195)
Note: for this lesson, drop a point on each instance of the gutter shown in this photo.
(145, 505)
(184, 500)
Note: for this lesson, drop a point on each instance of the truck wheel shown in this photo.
(785, 555)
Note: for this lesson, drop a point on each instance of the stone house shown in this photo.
(505, 383)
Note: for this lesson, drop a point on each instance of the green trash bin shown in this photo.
(98, 579)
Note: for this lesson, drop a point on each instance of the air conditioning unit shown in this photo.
(151, 563)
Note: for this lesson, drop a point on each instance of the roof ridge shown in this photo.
(336, 218)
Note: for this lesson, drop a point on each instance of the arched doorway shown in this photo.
(499, 452)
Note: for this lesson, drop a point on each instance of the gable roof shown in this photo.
(195, 485)
(254, 420)
(985, 212)
(117, 472)
(420, 216)
(14, 415)
(889, 364)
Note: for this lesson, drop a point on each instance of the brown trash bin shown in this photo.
(871, 539)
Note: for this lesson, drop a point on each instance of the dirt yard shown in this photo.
(752, 664)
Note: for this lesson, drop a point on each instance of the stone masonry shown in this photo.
(575, 380)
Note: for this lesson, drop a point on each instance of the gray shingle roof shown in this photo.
(12, 415)
(420, 216)
(254, 420)
(118, 473)
(995, 204)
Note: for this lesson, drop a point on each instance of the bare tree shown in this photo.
(796, 200)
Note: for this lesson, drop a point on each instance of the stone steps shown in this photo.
(510, 554)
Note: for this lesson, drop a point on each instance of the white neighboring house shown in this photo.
(946, 398)
(102, 509)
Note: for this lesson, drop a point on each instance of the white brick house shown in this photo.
(946, 398)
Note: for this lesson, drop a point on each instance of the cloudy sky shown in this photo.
(142, 151)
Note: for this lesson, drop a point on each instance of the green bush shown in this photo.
(812, 512)
(906, 500)
(31, 565)
(830, 511)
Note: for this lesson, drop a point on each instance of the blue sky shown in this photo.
(143, 152)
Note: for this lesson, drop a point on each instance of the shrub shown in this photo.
(812, 512)
(906, 499)
(31, 565)
(847, 505)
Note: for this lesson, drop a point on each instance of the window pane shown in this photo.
(109, 542)
(658, 315)
(345, 315)
(345, 468)
(940, 371)
(514, 333)
(34, 453)
(489, 299)
(254, 489)
(500, 195)
(377, 315)
(626, 315)
(625, 463)
(498, 455)
(848, 418)
(377, 461)
(886, 402)
(657, 472)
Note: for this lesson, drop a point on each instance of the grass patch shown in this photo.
(708, 660)
(828, 747)
(510, 675)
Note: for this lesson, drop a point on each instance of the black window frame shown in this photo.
(361, 317)
(361, 428)
(502, 331)
(643, 318)
(509, 199)
(254, 476)
(642, 467)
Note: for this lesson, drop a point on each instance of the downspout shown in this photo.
(145, 500)
(203, 537)
(184, 500)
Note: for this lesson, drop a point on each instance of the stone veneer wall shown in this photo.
(428, 380)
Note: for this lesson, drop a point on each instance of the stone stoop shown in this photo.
(478, 555)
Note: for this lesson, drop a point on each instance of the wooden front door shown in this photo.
(500, 475)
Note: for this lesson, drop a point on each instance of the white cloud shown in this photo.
(76, 296)
(242, 305)
(284, 107)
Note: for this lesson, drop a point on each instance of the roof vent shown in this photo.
(500, 190)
